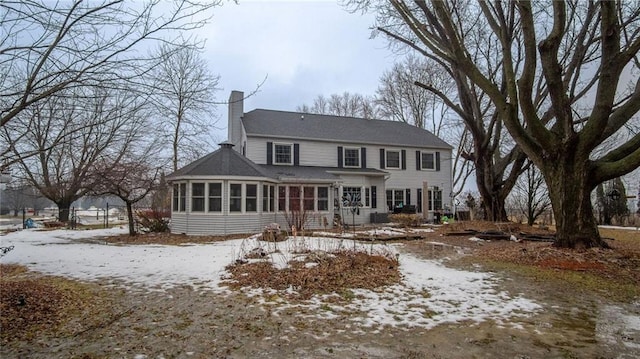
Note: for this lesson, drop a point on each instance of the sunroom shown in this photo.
(225, 193)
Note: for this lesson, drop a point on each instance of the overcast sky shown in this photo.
(303, 48)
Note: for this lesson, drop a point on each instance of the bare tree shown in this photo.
(529, 195)
(401, 97)
(556, 88)
(72, 132)
(497, 161)
(345, 104)
(184, 98)
(131, 181)
(49, 46)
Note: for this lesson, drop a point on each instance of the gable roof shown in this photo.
(283, 124)
(225, 161)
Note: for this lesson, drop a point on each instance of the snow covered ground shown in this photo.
(429, 294)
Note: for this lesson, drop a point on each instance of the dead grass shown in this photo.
(31, 304)
(319, 274)
(614, 273)
(168, 238)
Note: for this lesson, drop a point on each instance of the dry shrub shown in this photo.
(330, 273)
(406, 220)
(152, 220)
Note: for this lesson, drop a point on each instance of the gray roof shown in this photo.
(225, 161)
(311, 173)
(284, 124)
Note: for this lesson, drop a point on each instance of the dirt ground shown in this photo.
(577, 322)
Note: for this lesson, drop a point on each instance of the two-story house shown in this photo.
(282, 167)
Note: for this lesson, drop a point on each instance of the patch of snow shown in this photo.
(430, 293)
(476, 239)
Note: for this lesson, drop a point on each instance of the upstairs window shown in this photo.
(393, 159)
(352, 157)
(428, 161)
(282, 154)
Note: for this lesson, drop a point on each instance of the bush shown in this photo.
(406, 220)
(151, 220)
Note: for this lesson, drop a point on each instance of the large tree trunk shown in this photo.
(570, 193)
(63, 209)
(132, 228)
(493, 196)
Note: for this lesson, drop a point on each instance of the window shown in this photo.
(197, 197)
(398, 198)
(395, 198)
(176, 197)
(282, 154)
(309, 198)
(251, 198)
(352, 157)
(428, 161)
(435, 199)
(282, 198)
(393, 159)
(367, 197)
(353, 194)
(294, 199)
(271, 198)
(179, 197)
(265, 198)
(235, 197)
(215, 197)
(323, 198)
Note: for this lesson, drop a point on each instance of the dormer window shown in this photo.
(352, 157)
(282, 154)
